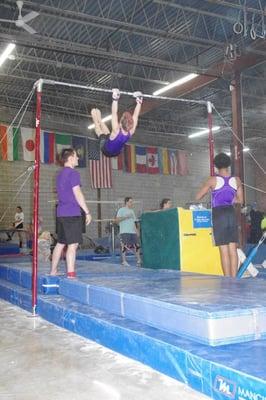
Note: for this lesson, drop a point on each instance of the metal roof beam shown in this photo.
(238, 6)
(108, 23)
(63, 46)
(194, 10)
(63, 64)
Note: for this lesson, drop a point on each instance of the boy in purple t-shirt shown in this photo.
(68, 214)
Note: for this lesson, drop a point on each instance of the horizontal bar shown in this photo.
(103, 220)
(102, 201)
(97, 89)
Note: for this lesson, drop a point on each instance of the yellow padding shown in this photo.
(197, 251)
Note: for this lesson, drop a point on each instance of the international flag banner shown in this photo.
(163, 161)
(130, 158)
(141, 159)
(93, 149)
(117, 162)
(79, 144)
(9, 137)
(62, 142)
(101, 173)
(152, 160)
(28, 143)
(182, 157)
(47, 147)
(173, 162)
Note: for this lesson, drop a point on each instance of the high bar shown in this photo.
(97, 89)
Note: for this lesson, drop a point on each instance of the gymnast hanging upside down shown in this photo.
(112, 144)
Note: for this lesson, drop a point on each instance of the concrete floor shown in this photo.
(39, 361)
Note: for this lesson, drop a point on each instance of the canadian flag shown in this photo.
(152, 160)
(28, 143)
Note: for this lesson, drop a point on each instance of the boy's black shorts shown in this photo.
(69, 229)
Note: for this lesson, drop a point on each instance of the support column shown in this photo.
(36, 195)
(237, 140)
(211, 140)
(99, 213)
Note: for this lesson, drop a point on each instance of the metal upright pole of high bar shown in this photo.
(39, 85)
(210, 140)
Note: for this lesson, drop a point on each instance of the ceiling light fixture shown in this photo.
(175, 84)
(105, 119)
(6, 53)
(204, 132)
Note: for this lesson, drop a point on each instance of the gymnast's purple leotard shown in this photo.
(224, 192)
(111, 148)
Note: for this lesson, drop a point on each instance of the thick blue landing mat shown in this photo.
(235, 371)
(208, 309)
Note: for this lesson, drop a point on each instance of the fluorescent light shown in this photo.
(245, 149)
(204, 131)
(176, 83)
(6, 53)
(107, 118)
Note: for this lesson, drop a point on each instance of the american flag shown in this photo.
(100, 167)
(93, 149)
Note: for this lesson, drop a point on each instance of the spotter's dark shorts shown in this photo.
(69, 229)
(224, 223)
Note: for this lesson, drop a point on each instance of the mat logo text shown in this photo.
(225, 386)
(244, 394)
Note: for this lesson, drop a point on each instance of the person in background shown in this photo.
(263, 223)
(226, 190)
(68, 214)
(256, 217)
(44, 246)
(126, 219)
(18, 224)
(165, 204)
(122, 130)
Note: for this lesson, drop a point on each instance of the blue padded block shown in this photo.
(50, 284)
(9, 248)
(157, 314)
(106, 299)
(3, 272)
(25, 279)
(13, 275)
(15, 295)
(74, 289)
(20, 276)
